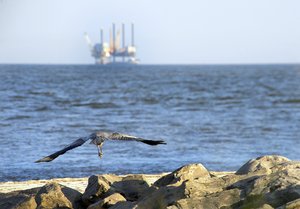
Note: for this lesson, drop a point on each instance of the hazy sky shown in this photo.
(167, 31)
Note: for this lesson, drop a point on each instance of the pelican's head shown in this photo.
(98, 137)
(102, 134)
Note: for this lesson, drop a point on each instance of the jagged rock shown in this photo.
(130, 186)
(203, 186)
(97, 187)
(54, 195)
(265, 206)
(108, 201)
(123, 205)
(278, 188)
(275, 189)
(262, 165)
(161, 197)
(19, 200)
(27, 203)
(192, 197)
(184, 182)
(291, 205)
(214, 201)
(188, 172)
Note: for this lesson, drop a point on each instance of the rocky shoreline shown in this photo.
(266, 182)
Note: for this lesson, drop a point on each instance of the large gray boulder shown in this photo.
(19, 199)
(185, 182)
(108, 201)
(262, 165)
(270, 180)
(295, 204)
(131, 187)
(50, 196)
(97, 188)
(54, 195)
(188, 172)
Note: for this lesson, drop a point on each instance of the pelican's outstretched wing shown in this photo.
(75, 144)
(125, 137)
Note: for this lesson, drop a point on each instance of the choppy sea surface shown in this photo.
(219, 116)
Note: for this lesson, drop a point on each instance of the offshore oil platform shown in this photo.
(112, 52)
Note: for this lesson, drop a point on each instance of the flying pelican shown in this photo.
(98, 139)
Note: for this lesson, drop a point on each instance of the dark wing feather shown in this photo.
(51, 157)
(125, 137)
(151, 142)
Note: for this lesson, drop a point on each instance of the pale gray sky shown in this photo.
(167, 31)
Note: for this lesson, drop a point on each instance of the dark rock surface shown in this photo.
(263, 183)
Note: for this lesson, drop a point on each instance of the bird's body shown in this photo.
(98, 139)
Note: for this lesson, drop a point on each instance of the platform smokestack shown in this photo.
(123, 35)
(132, 34)
(123, 39)
(101, 36)
(114, 41)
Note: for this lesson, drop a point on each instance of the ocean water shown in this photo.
(219, 116)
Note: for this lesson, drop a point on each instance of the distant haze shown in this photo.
(167, 32)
